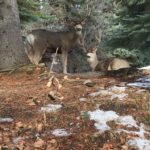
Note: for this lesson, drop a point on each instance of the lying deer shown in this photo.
(106, 64)
(40, 40)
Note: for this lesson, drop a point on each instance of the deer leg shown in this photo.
(64, 58)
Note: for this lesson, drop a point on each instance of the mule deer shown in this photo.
(40, 40)
(92, 58)
(106, 64)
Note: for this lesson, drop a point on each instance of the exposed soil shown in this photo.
(22, 95)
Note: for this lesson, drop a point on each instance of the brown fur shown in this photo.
(112, 64)
(40, 40)
(106, 64)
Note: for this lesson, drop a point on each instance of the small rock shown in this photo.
(39, 127)
(53, 95)
(16, 140)
(94, 94)
(53, 141)
(60, 132)
(19, 124)
(89, 83)
(83, 99)
(39, 143)
(119, 96)
(124, 147)
(50, 108)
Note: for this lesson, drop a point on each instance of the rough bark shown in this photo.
(11, 46)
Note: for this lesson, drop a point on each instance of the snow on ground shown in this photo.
(119, 96)
(126, 121)
(6, 120)
(141, 82)
(144, 79)
(50, 108)
(140, 144)
(117, 89)
(114, 92)
(102, 117)
(60, 132)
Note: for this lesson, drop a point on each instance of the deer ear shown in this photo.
(94, 49)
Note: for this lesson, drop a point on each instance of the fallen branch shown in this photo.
(52, 64)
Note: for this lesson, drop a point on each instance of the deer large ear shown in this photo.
(93, 50)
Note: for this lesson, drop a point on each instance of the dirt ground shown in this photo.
(23, 94)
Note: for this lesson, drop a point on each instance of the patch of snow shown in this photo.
(101, 92)
(114, 92)
(117, 89)
(50, 108)
(144, 79)
(139, 84)
(101, 118)
(60, 132)
(126, 121)
(2, 120)
(119, 96)
(140, 144)
(140, 133)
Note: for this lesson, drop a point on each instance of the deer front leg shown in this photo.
(64, 58)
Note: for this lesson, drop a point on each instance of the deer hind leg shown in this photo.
(65, 59)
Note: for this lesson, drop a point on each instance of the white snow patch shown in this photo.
(126, 121)
(60, 132)
(114, 92)
(100, 92)
(119, 96)
(144, 79)
(117, 89)
(139, 84)
(2, 120)
(101, 118)
(50, 108)
(140, 144)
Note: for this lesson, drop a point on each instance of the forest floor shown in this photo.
(74, 112)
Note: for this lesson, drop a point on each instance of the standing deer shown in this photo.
(40, 40)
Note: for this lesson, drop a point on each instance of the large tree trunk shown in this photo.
(11, 47)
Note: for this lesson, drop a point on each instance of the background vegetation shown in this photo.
(125, 24)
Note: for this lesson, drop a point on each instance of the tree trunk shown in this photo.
(11, 46)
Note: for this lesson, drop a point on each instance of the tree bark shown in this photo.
(11, 46)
